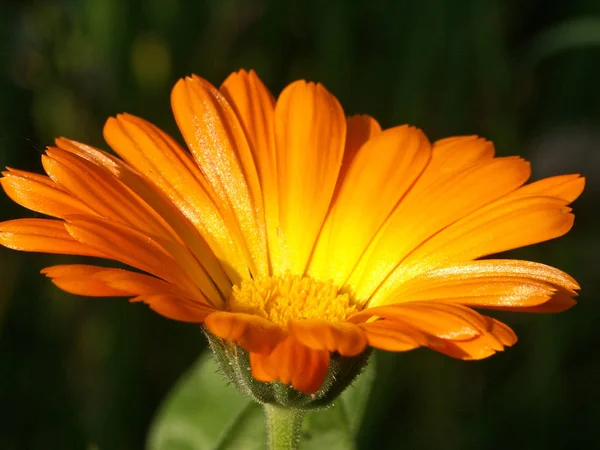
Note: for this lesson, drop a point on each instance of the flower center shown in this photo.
(280, 299)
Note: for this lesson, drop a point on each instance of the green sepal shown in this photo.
(234, 364)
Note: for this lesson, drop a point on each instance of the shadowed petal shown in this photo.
(82, 279)
(164, 298)
(481, 347)
(345, 338)
(176, 308)
(392, 336)
(292, 363)
(250, 332)
(359, 129)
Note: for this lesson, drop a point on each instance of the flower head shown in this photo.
(298, 234)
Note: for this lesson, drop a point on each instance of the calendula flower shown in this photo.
(296, 235)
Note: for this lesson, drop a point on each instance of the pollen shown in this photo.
(281, 299)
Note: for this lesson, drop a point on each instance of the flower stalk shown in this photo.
(283, 427)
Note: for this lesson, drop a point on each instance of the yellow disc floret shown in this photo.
(280, 299)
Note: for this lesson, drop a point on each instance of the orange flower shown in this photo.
(296, 232)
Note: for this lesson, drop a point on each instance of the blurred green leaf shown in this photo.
(199, 411)
(204, 412)
(568, 35)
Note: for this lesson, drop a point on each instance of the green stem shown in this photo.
(283, 427)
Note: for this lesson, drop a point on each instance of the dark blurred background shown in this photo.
(81, 373)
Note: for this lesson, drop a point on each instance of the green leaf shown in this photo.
(572, 34)
(204, 412)
(199, 412)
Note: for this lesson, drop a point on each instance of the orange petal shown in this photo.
(153, 254)
(380, 174)
(310, 130)
(474, 349)
(219, 145)
(158, 202)
(158, 156)
(162, 297)
(292, 363)
(507, 284)
(40, 194)
(345, 338)
(359, 129)
(250, 332)
(426, 211)
(102, 192)
(254, 107)
(468, 155)
(559, 302)
(111, 199)
(97, 281)
(392, 336)
(446, 321)
(79, 280)
(501, 226)
(34, 177)
(480, 347)
(42, 235)
(564, 187)
(131, 247)
(457, 153)
(177, 308)
(172, 170)
(502, 332)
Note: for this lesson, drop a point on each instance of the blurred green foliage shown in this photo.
(89, 373)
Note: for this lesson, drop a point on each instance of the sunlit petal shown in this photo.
(310, 130)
